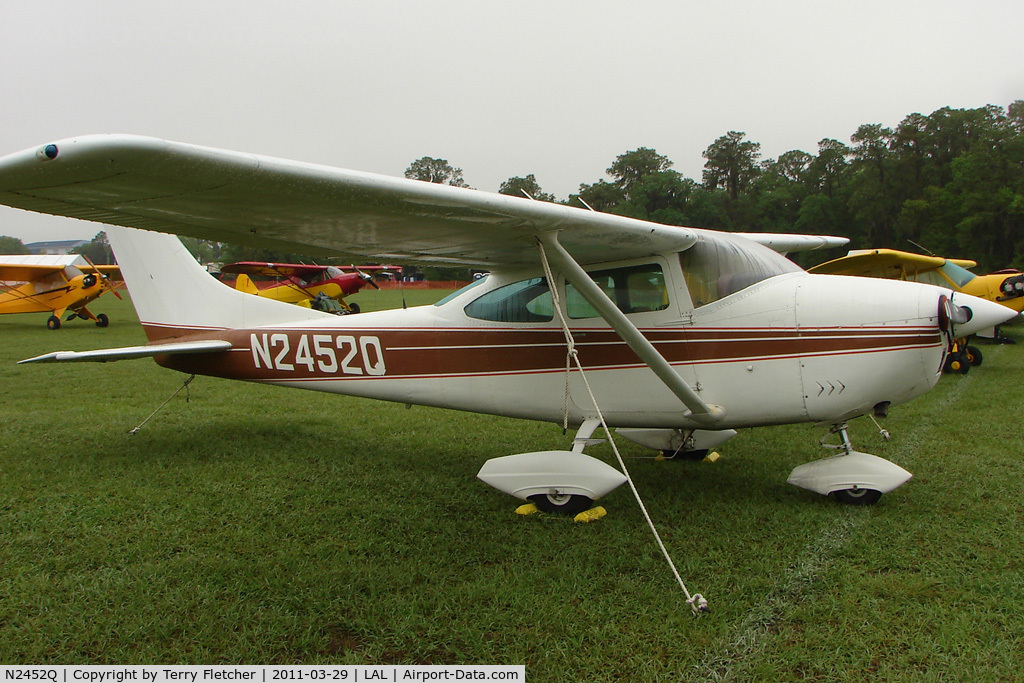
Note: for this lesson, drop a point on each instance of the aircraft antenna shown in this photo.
(584, 203)
(697, 602)
(528, 195)
(924, 249)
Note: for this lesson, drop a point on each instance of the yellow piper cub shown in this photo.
(36, 284)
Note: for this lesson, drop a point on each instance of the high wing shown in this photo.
(887, 263)
(785, 242)
(278, 204)
(370, 269)
(25, 268)
(273, 269)
(23, 272)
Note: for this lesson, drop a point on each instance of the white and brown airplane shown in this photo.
(683, 335)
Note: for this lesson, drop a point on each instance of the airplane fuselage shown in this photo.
(69, 289)
(294, 290)
(771, 353)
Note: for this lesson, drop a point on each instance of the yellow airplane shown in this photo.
(1004, 286)
(319, 287)
(59, 284)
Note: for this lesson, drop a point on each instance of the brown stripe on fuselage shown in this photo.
(427, 352)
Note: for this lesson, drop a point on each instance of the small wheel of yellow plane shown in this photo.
(1004, 286)
(321, 287)
(59, 284)
(681, 336)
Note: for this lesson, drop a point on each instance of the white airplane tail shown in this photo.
(174, 296)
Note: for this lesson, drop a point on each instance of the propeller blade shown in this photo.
(366, 277)
(103, 276)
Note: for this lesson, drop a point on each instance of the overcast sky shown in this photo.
(500, 89)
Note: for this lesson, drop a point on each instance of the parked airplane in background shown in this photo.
(59, 284)
(1005, 286)
(307, 285)
(682, 334)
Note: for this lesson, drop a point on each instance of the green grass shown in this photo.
(261, 525)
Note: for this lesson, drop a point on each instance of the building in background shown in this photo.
(57, 248)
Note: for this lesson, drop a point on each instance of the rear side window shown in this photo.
(718, 266)
(526, 301)
(633, 289)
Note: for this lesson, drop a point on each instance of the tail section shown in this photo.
(174, 296)
(245, 284)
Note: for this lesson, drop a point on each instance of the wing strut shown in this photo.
(699, 410)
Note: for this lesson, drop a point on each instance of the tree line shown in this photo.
(951, 182)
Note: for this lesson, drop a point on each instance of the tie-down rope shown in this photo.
(187, 397)
(696, 601)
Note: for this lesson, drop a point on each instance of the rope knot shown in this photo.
(698, 604)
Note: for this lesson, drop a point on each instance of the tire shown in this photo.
(956, 364)
(353, 308)
(973, 355)
(857, 497)
(53, 323)
(685, 455)
(102, 320)
(562, 504)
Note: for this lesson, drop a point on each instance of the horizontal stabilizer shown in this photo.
(130, 352)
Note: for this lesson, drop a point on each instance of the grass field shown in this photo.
(253, 524)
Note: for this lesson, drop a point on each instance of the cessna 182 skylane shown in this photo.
(684, 335)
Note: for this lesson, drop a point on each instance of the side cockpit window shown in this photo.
(633, 289)
(56, 280)
(526, 301)
(718, 266)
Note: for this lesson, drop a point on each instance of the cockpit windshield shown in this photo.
(720, 265)
(957, 274)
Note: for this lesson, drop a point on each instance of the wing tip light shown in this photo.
(47, 152)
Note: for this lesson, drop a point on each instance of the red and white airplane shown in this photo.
(683, 335)
(304, 284)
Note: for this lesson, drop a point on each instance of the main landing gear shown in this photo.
(101, 320)
(567, 482)
(850, 477)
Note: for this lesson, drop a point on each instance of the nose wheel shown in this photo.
(850, 477)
